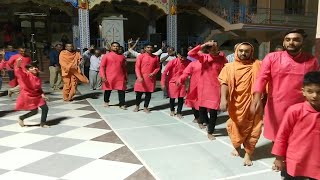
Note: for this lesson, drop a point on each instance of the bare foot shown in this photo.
(44, 126)
(10, 93)
(201, 126)
(236, 152)
(211, 137)
(247, 160)
(195, 120)
(106, 105)
(179, 116)
(136, 109)
(21, 123)
(123, 107)
(146, 110)
(172, 113)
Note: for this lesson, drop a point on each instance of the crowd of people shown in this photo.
(289, 79)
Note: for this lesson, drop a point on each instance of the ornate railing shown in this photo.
(240, 13)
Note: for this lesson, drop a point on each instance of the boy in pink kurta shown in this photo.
(208, 84)
(31, 95)
(147, 66)
(113, 72)
(193, 70)
(173, 70)
(283, 72)
(297, 144)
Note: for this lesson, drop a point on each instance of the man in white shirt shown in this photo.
(94, 78)
(164, 59)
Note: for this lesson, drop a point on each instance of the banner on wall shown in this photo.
(83, 4)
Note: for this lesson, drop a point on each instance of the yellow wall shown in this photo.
(311, 5)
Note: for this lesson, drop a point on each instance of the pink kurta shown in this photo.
(298, 140)
(208, 84)
(11, 64)
(284, 75)
(174, 70)
(30, 91)
(113, 67)
(145, 65)
(193, 70)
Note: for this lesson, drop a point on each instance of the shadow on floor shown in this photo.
(93, 95)
(160, 107)
(133, 102)
(56, 121)
(263, 152)
(3, 93)
(220, 132)
(4, 113)
(129, 90)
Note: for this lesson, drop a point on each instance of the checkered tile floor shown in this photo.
(78, 146)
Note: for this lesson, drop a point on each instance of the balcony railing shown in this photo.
(239, 13)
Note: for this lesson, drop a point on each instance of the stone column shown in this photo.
(75, 32)
(84, 28)
(172, 26)
(317, 49)
(151, 27)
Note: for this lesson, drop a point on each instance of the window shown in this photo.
(294, 6)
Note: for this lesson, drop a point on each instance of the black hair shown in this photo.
(84, 49)
(183, 52)
(148, 44)
(115, 43)
(28, 66)
(312, 77)
(299, 31)
(279, 47)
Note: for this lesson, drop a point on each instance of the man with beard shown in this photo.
(283, 71)
(237, 79)
(113, 72)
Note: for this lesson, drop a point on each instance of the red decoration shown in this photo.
(164, 1)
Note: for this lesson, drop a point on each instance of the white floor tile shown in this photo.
(84, 133)
(12, 175)
(102, 170)
(17, 128)
(74, 113)
(22, 139)
(71, 106)
(91, 149)
(79, 122)
(19, 157)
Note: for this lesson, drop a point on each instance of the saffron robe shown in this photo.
(11, 64)
(193, 70)
(145, 65)
(284, 75)
(29, 97)
(173, 70)
(113, 68)
(242, 127)
(208, 84)
(71, 73)
(298, 140)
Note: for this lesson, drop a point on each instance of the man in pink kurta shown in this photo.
(31, 95)
(147, 66)
(193, 70)
(283, 72)
(173, 70)
(297, 144)
(11, 63)
(113, 72)
(208, 84)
